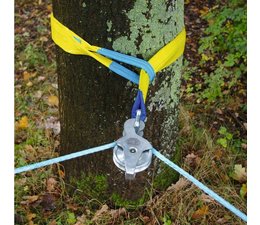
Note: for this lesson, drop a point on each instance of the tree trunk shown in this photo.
(95, 102)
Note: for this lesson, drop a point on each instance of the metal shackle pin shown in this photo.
(132, 153)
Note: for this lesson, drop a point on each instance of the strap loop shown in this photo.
(74, 44)
(139, 104)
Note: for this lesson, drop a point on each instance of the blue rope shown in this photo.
(156, 153)
(64, 158)
(200, 185)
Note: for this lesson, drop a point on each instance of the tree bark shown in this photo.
(94, 102)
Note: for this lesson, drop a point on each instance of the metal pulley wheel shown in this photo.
(132, 153)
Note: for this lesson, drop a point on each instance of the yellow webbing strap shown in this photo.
(74, 44)
(163, 58)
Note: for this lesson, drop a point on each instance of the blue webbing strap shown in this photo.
(140, 63)
(139, 104)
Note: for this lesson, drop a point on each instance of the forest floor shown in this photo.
(212, 138)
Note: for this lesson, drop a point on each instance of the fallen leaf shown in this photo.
(51, 183)
(61, 173)
(49, 8)
(200, 212)
(222, 221)
(53, 124)
(30, 216)
(180, 184)
(81, 220)
(146, 219)
(44, 39)
(204, 11)
(41, 78)
(115, 213)
(192, 160)
(243, 191)
(29, 84)
(26, 76)
(38, 94)
(206, 198)
(23, 123)
(218, 154)
(219, 111)
(29, 199)
(103, 209)
(244, 146)
(53, 100)
(72, 206)
(55, 85)
(53, 222)
(239, 173)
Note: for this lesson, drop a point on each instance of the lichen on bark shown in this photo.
(149, 28)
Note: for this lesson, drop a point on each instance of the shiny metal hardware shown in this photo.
(132, 153)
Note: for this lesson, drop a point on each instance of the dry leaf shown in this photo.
(49, 8)
(204, 11)
(29, 199)
(103, 209)
(30, 216)
(218, 154)
(61, 173)
(53, 100)
(51, 183)
(239, 173)
(115, 213)
(244, 146)
(29, 84)
(38, 94)
(53, 222)
(26, 76)
(222, 221)
(44, 39)
(23, 123)
(200, 212)
(41, 78)
(219, 111)
(81, 220)
(72, 206)
(180, 184)
(206, 198)
(53, 124)
(192, 160)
